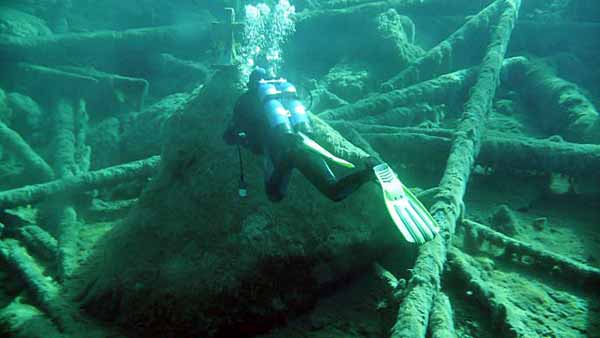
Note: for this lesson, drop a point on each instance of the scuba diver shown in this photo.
(266, 129)
(270, 120)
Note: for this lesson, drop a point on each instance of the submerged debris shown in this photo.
(504, 220)
(482, 103)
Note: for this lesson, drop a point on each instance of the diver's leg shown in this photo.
(317, 171)
(278, 171)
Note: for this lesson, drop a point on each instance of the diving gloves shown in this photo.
(410, 216)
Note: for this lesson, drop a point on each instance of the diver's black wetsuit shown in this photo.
(283, 154)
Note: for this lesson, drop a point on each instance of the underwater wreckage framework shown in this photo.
(424, 285)
(423, 306)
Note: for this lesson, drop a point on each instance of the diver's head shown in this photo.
(255, 77)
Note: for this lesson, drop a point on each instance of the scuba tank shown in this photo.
(284, 111)
(277, 116)
(299, 116)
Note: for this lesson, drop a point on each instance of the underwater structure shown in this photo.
(121, 206)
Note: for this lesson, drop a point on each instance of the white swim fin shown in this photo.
(410, 216)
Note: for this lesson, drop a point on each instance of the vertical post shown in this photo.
(235, 4)
(225, 35)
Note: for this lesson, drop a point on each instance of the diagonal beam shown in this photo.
(439, 59)
(443, 89)
(560, 106)
(435, 91)
(502, 314)
(89, 83)
(413, 314)
(60, 47)
(498, 150)
(44, 290)
(64, 144)
(442, 317)
(77, 184)
(339, 8)
(14, 143)
(575, 272)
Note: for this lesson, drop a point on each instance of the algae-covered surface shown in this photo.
(119, 207)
